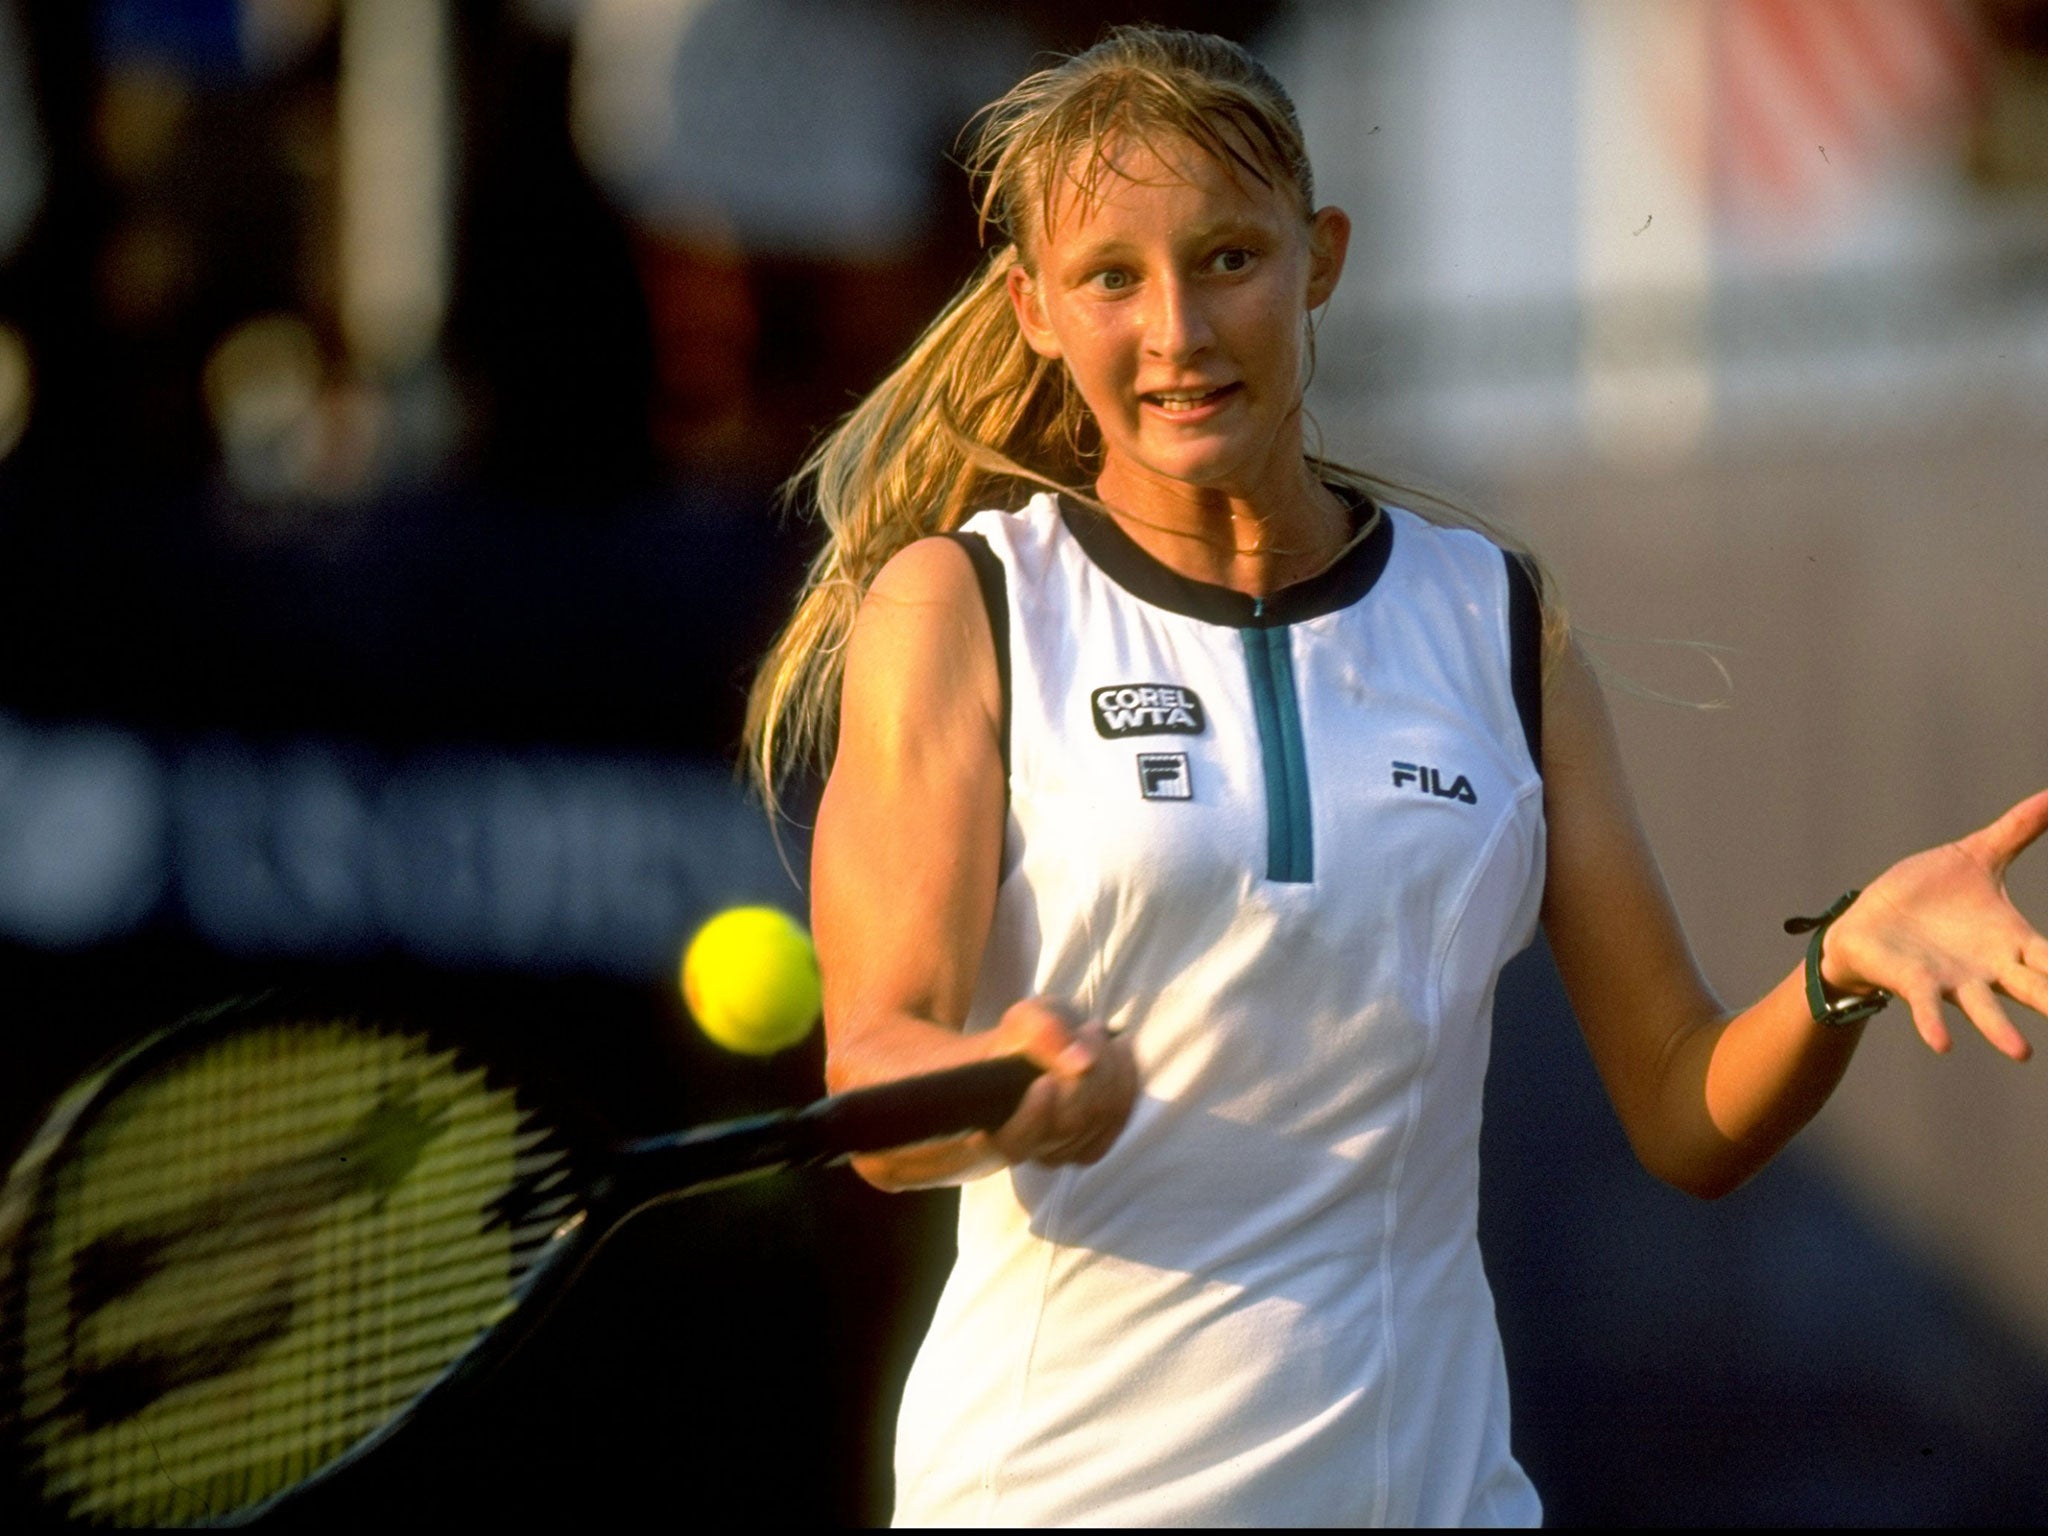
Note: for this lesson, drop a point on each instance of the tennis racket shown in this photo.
(248, 1250)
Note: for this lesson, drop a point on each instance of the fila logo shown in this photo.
(1164, 776)
(1146, 709)
(1422, 776)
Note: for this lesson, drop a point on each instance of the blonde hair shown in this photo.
(972, 417)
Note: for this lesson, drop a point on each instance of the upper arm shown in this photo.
(1612, 927)
(908, 846)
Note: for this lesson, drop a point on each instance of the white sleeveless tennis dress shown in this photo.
(1286, 846)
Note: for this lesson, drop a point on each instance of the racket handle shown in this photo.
(976, 1097)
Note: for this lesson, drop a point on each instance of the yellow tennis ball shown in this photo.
(750, 977)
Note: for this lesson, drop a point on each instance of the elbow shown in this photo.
(1705, 1173)
(1703, 1184)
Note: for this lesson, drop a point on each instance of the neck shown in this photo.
(1253, 542)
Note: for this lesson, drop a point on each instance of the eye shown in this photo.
(1231, 260)
(1112, 280)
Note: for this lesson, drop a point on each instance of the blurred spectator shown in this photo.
(795, 213)
(783, 162)
(21, 145)
(212, 141)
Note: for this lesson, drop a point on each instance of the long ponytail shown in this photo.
(958, 425)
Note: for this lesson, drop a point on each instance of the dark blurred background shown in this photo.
(393, 400)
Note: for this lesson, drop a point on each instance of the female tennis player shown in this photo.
(1221, 784)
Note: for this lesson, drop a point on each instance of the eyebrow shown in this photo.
(1198, 235)
(1226, 229)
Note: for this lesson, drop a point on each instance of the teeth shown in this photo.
(1185, 402)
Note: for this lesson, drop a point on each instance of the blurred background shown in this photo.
(393, 397)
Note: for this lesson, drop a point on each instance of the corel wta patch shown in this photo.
(1146, 709)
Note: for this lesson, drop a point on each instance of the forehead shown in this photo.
(1130, 184)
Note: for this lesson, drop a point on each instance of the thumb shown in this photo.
(1044, 1032)
(1084, 1048)
(2008, 837)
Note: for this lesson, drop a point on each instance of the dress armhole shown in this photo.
(1525, 652)
(993, 580)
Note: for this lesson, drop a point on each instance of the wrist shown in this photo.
(1834, 996)
(1838, 980)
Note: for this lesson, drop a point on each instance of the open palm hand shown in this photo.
(1938, 927)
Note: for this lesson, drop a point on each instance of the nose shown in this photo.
(1176, 326)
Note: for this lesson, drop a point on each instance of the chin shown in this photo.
(1217, 466)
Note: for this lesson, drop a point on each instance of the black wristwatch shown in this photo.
(1849, 1007)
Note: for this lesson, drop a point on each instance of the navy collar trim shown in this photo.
(1138, 573)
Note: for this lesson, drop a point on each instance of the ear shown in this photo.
(1329, 237)
(1028, 303)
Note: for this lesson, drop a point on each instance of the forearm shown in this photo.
(1706, 1097)
(885, 1046)
(1071, 1113)
(1736, 1089)
(907, 851)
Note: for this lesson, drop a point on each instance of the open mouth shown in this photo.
(1182, 402)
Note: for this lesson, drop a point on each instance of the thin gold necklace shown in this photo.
(1365, 530)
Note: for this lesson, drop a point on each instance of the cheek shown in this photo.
(1102, 355)
(1269, 335)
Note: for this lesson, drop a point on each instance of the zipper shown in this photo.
(1290, 841)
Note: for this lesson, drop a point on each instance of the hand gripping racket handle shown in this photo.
(976, 1097)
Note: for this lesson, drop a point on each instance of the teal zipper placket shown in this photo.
(1290, 835)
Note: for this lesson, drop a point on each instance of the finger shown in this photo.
(2034, 952)
(1058, 1129)
(1023, 1135)
(1091, 1118)
(1099, 1137)
(1926, 1005)
(1993, 1023)
(2006, 838)
(1083, 1051)
(1116, 1065)
(1080, 1139)
(1040, 1029)
(1084, 1149)
(1096, 1148)
(2026, 986)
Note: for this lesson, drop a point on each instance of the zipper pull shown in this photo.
(1258, 607)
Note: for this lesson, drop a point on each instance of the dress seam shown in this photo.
(991, 1472)
(1412, 1117)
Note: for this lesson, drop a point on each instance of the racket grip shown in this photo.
(976, 1097)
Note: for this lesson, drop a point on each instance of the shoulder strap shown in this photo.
(1525, 651)
(993, 580)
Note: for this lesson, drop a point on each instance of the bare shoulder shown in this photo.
(926, 585)
(926, 568)
(921, 647)
(1578, 732)
(1595, 833)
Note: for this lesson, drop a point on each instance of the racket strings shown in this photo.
(259, 1255)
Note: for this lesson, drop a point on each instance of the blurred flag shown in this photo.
(1812, 97)
(1645, 241)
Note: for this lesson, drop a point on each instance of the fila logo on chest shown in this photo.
(1164, 776)
(1423, 777)
(1146, 709)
